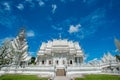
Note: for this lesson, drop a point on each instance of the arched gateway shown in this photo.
(60, 53)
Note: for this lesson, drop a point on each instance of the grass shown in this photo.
(99, 77)
(20, 77)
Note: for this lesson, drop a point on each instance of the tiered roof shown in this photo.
(60, 46)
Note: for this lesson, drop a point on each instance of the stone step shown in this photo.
(61, 78)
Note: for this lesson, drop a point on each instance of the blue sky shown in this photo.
(93, 23)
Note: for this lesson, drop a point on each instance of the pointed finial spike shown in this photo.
(59, 35)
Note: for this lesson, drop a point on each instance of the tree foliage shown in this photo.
(32, 60)
(117, 57)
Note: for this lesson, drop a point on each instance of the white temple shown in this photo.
(109, 64)
(60, 53)
(59, 57)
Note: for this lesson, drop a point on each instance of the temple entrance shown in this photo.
(60, 72)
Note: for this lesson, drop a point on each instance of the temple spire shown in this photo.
(60, 36)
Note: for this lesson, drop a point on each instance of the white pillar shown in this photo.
(39, 61)
(60, 60)
(80, 60)
(53, 63)
(46, 62)
(77, 60)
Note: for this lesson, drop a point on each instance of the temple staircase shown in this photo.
(61, 78)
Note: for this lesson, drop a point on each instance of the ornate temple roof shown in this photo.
(60, 46)
(108, 58)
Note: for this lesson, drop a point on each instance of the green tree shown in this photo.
(117, 57)
(33, 60)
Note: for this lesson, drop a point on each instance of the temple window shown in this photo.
(75, 59)
(43, 62)
(57, 62)
(70, 61)
(50, 62)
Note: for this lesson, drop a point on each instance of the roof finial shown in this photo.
(59, 35)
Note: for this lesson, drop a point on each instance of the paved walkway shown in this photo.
(61, 78)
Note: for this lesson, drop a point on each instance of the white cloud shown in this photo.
(94, 20)
(20, 6)
(31, 2)
(6, 38)
(31, 53)
(57, 28)
(30, 33)
(8, 20)
(7, 6)
(74, 29)
(41, 3)
(54, 7)
(86, 56)
(116, 50)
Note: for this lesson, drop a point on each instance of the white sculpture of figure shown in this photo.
(21, 48)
